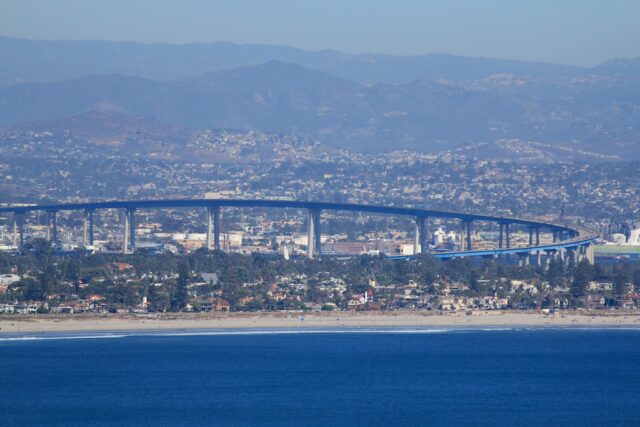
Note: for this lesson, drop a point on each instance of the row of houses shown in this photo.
(20, 308)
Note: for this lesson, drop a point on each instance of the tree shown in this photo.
(584, 274)
(474, 284)
(159, 299)
(636, 279)
(620, 280)
(556, 273)
(31, 289)
(181, 296)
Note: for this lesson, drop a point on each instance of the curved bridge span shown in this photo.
(572, 240)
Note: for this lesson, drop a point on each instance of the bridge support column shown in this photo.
(311, 235)
(468, 235)
(589, 253)
(549, 255)
(48, 222)
(209, 228)
(530, 236)
(500, 235)
(132, 228)
(21, 232)
(537, 237)
(508, 234)
(18, 230)
(216, 228)
(14, 237)
(125, 236)
(539, 258)
(87, 228)
(572, 255)
(314, 243)
(91, 236)
(420, 242)
(52, 227)
(424, 235)
(317, 234)
(524, 259)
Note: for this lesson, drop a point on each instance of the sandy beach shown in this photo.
(181, 321)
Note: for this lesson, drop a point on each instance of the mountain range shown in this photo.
(26, 61)
(360, 102)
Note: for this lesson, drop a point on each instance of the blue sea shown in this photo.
(369, 377)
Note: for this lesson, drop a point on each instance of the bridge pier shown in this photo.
(132, 228)
(125, 236)
(213, 228)
(216, 228)
(129, 231)
(550, 253)
(314, 248)
(524, 259)
(530, 236)
(14, 237)
(209, 228)
(47, 219)
(87, 228)
(91, 237)
(420, 242)
(507, 227)
(580, 252)
(317, 234)
(18, 230)
(537, 236)
(310, 235)
(21, 231)
(589, 254)
(568, 257)
(424, 235)
(52, 227)
(465, 234)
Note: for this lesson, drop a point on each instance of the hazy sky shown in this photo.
(583, 32)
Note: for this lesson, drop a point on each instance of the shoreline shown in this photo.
(299, 320)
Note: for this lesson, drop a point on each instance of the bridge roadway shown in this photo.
(565, 239)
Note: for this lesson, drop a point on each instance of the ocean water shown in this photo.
(377, 377)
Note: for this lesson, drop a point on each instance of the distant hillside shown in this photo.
(576, 113)
(113, 129)
(26, 61)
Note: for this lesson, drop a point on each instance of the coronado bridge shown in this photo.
(566, 242)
